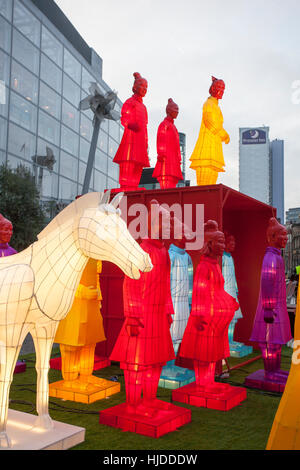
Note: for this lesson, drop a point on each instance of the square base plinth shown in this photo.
(223, 398)
(175, 377)
(240, 350)
(23, 435)
(165, 421)
(258, 380)
(99, 363)
(89, 395)
(20, 367)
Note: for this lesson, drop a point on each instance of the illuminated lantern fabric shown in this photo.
(82, 328)
(6, 230)
(132, 154)
(207, 157)
(181, 286)
(167, 170)
(215, 308)
(144, 344)
(38, 285)
(147, 302)
(285, 432)
(272, 301)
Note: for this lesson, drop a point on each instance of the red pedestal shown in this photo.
(20, 367)
(258, 380)
(168, 418)
(223, 397)
(100, 362)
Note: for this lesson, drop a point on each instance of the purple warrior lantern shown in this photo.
(271, 327)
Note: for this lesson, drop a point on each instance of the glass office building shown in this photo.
(45, 71)
(261, 167)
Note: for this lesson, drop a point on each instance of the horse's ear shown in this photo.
(105, 198)
(116, 200)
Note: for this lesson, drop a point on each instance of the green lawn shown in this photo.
(244, 427)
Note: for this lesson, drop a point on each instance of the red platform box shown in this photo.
(245, 217)
(168, 418)
(223, 398)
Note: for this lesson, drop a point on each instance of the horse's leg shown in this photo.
(43, 337)
(8, 358)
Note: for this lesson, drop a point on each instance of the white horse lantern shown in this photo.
(38, 285)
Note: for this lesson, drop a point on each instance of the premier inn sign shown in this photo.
(254, 136)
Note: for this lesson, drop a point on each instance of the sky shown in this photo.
(177, 45)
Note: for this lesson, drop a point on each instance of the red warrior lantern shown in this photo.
(145, 345)
(167, 170)
(205, 340)
(132, 154)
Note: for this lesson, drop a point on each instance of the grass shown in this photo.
(245, 427)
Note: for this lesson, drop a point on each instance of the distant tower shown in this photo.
(254, 169)
(261, 170)
(277, 177)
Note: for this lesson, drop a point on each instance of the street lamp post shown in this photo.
(102, 106)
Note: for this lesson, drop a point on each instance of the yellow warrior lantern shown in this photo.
(207, 158)
(285, 432)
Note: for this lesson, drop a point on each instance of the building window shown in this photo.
(114, 130)
(25, 52)
(71, 91)
(6, 9)
(70, 116)
(69, 141)
(86, 128)
(84, 150)
(67, 189)
(13, 162)
(3, 100)
(24, 82)
(27, 23)
(51, 74)
(81, 172)
(48, 128)
(22, 112)
(71, 66)
(99, 181)
(103, 141)
(68, 166)
(4, 68)
(2, 158)
(87, 79)
(112, 148)
(47, 183)
(101, 161)
(3, 133)
(21, 142)
(5, 34)
(113, 169)
(50, 101)
(49, 155)
(52, 47)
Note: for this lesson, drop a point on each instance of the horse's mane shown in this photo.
(76, 208)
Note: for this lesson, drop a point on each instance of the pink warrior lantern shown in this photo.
(271, 328)
(167, 170)
(205, 340)
(145, 345)
(132, 154)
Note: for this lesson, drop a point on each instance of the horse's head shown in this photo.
(103, 234)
